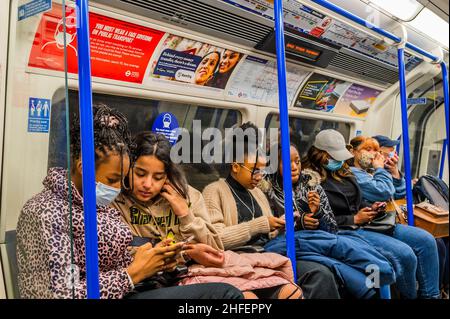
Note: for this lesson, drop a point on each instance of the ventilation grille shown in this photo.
(356, 66)
(207, 16)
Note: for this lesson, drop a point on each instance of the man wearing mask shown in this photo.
(368, 166)
(387, 149)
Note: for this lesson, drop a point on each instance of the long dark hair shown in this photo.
(220, 80)
(153, 144)
(316, 160)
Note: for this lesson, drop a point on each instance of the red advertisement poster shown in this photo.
(119, 50)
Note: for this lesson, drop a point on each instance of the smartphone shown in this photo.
(381, 208)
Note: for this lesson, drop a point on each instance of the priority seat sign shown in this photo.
(38, 115)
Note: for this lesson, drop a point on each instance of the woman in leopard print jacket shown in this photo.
(51, 250)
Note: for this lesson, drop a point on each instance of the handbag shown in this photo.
(384, 223)
(426, 216)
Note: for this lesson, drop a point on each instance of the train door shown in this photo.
(26, 109)
(4, 27)
(426, 128)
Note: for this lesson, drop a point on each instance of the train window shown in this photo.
(426, 127)
(141, 114)
(304, 131)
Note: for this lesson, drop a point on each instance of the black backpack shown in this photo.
(432, 189)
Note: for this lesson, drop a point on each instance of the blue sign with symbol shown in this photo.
(167, 125)
(38, 115)
(33, 7)
(418, 101)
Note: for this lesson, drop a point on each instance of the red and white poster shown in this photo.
(119, 50)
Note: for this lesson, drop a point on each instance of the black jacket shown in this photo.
(339, 202)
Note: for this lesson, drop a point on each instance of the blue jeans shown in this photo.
(413, 253)
(347, 254)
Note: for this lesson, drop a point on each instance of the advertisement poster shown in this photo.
(119, 50)
(188, 61)
(256, 81)
(356, 101)
(349, 37)
(296, 15)
(307, 20)
(321, 93)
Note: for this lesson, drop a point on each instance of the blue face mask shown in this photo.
(334, 165)
(105, 194)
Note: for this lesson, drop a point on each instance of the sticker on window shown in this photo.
(167, 125)
(38, 115)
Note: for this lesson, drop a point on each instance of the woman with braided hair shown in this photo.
(51, 238)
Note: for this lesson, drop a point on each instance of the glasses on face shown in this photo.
(255, 172)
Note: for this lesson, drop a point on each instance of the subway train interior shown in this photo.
(342, 73)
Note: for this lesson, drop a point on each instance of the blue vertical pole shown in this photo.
(87, 149)
(446, 151)
(385, 292)
(397, 148)
(285, 139)
(443, 157)
(405, 134)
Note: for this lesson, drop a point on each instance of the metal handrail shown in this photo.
(285, 138)
(405, 127)
(87, 150)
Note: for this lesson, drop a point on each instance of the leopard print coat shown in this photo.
(43, 245)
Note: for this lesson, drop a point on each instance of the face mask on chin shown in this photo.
(105, 194)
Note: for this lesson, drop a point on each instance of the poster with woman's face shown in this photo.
(189, 61)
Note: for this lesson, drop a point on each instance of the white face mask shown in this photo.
(105, 194)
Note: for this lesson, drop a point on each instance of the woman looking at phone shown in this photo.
(412, 251)
(51, 239)
(158, 203)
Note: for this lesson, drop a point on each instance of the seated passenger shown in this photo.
(51, 237)
(160, 205)
(387, 149)
(242, 216)
(375, 174)
(346, 254)
(377, 183)
(412, 251)
(310, 200)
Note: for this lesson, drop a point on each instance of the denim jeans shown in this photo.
(413, 253)
(347, 254)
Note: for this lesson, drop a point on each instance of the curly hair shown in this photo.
(111, 134)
